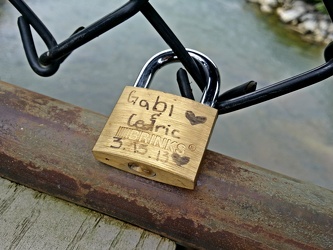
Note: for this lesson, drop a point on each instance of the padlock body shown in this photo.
(156, 135)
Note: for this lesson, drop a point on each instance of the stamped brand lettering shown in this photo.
(151, 139)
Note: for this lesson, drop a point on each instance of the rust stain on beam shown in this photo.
(46, 144)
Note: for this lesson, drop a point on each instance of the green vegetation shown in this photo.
(318, 4)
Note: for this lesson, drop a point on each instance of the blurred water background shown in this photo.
(292, 135)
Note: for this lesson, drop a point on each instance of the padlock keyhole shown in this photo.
(141, 170)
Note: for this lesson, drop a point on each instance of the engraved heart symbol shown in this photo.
(194, 120)
(180, 160)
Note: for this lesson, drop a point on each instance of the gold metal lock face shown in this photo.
(157, 135)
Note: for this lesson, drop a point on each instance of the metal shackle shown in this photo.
(212, 75)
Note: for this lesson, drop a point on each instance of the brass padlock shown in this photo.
(158, 135)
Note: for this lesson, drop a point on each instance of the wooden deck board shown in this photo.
(32, 220)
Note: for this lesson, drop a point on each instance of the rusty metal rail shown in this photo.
(46, 144)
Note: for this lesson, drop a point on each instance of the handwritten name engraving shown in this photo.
(150, 126)
(157, 105)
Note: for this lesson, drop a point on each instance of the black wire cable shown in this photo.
(48, 63)
(170, 38)
(184, 84)
(329, 7)
(238, 98)
(30, 18)
(94, 30)
(35, 22)
(278, 89)
(30, 51)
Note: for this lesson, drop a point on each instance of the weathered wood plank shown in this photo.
(46, 144)
(32, 220)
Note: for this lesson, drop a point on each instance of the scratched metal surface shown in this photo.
(46, 144)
